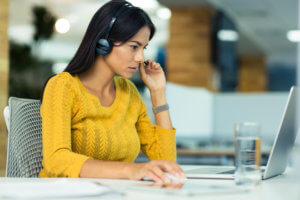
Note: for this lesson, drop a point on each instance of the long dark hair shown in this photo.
(129, 22)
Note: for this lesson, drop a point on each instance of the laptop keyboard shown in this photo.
(232, 171)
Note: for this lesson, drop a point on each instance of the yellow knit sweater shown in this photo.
(77, 127)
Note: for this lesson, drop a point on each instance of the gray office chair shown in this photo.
(24, 141)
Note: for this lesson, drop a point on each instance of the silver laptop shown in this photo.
(279, 154)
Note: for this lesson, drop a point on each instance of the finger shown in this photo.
(173, 168)
(167, 167)
(154, 177)
(175, 185)
(154, 65)
(179, 170)
(158, 172)
(178, 185)
(142, 69)
(157, 66)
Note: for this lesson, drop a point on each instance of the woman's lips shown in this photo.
(133, 69)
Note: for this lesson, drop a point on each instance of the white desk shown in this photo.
(282, 187)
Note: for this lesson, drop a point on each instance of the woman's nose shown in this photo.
(139, 57)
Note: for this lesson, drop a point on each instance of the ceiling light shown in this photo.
(293, 35)
(164, 13)
(62, 25)
(228, 35)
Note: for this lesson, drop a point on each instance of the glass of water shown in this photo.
(247, 153)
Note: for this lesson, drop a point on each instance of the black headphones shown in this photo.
(104, 46)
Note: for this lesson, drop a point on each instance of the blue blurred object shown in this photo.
(281, 77)
(224, 53)
(161, 57)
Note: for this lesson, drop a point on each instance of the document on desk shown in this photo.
(41, 188)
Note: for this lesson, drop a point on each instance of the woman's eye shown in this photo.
(145, 48)
(133, 47)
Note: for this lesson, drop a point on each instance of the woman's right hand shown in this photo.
(156, 170)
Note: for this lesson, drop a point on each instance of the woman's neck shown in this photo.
(98, 78)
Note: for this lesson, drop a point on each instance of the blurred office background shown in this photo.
(225, 61)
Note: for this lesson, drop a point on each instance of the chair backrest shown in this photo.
(24, 141)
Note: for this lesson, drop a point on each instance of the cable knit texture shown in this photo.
(77, 127)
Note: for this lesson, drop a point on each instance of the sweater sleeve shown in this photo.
(156, 142)
(56, 113)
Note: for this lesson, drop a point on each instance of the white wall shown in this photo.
(190, 110)
(265, 108)
(199, 114)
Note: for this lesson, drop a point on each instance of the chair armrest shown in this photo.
(7, 117)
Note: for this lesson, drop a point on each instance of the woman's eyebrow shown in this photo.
(138, 43)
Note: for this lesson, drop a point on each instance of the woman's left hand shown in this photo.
(153, 76)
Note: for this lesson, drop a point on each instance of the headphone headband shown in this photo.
(104, 46)
(126, 5)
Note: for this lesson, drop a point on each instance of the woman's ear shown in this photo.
(118, 43)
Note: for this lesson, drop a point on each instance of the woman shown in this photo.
(95, 123)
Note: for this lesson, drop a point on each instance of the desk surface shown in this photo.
(210, 152)
(278, 188)
(214, 149)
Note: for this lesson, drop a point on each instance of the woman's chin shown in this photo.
(127, 75)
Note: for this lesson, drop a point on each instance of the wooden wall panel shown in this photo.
(189, 48)
(4, 70)
(252, 74)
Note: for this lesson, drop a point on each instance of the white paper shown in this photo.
(41, 188)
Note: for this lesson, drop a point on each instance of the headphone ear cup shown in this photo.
(103, 46)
